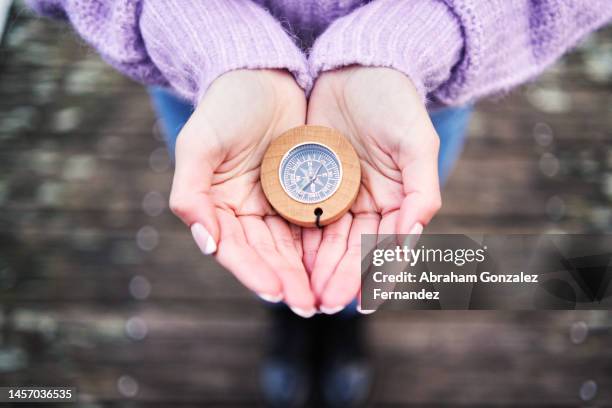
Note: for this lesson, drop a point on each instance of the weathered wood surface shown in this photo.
(100, 285)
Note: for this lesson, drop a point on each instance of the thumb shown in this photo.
(190, 198)
(422, 198)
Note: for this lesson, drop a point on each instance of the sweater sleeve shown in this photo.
(184, 44)
(456, 51)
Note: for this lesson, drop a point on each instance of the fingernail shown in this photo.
(331, 310)
(271, 298)
(304, 313)
(203, 239)
(417, 229)
(364, 311)
(413, 235)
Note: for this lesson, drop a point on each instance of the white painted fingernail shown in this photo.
(271, 298)
(306, 314)
(417, 229)
(203, 239)
(413, 236)
(364, 311)
(331, 310)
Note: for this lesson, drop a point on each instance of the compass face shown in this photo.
(310, 173)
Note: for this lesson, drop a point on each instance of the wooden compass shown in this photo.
(311, 175)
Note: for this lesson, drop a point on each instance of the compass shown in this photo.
(311, 175)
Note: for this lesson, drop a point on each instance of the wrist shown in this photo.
(420, 39)
(256, 86)
(193, 49)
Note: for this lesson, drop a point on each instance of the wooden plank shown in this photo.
(455, 348)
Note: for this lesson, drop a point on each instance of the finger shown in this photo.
(360, 309)
(388, 224)
(421, 185)
(387, 241)
(345, 283)
(296, 233)
(333, 246)
(287, 238)
(190, 198)
(311, 240)
(294, 281)
(240, 258)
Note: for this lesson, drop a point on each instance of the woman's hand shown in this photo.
(380, 112)
(217, 192)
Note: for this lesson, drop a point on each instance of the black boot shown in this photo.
(344, 372)
(286, 372)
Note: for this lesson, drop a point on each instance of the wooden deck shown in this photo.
(102, 288)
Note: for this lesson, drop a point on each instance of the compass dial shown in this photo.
(310, 173)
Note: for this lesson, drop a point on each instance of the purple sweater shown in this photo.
(455, 51)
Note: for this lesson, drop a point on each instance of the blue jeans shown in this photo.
(450, 124)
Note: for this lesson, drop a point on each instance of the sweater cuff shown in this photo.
(193, 42)
(422, 39)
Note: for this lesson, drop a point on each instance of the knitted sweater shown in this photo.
(455, 51)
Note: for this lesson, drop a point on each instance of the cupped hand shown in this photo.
(383, 116)
(216, 189)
